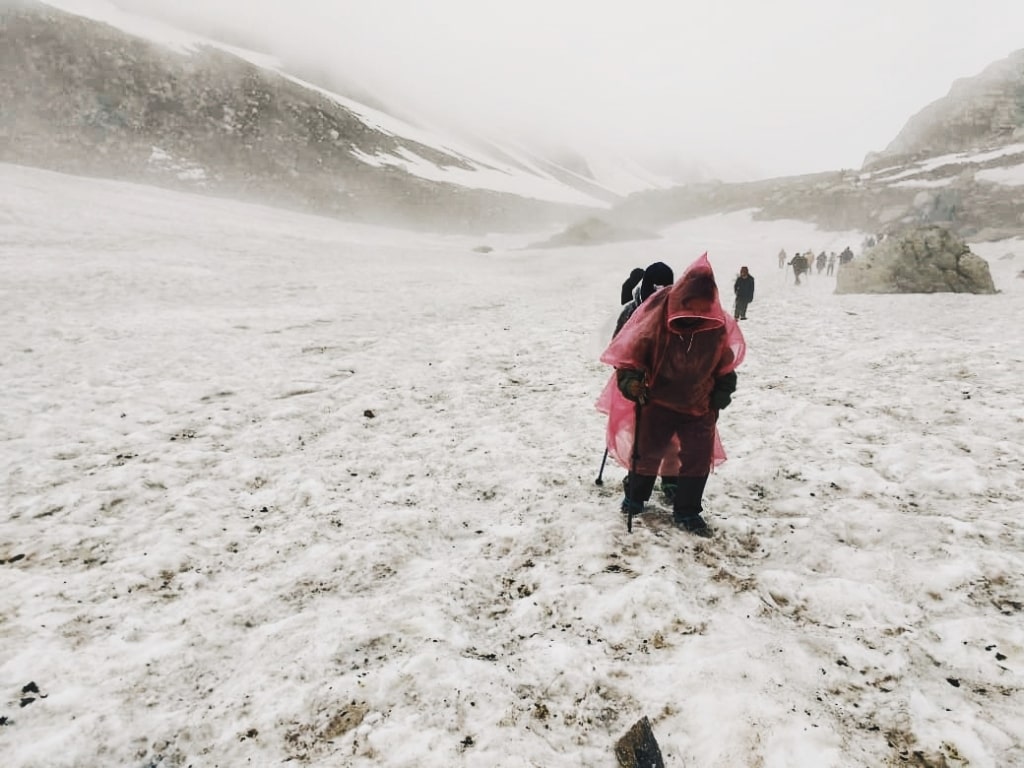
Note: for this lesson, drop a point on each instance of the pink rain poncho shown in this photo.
(682, 340)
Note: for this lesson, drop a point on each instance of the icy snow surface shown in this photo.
(282, 489)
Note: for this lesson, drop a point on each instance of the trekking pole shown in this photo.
(632, 470)
(600, 472)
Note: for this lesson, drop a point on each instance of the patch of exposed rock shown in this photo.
(595, 231)
(923, 260)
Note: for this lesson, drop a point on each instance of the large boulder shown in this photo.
(923, 260)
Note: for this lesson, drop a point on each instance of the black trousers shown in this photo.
(693, 437)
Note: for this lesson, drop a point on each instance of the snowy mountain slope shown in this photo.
(464, 167)
(609, 177)
(95, 90)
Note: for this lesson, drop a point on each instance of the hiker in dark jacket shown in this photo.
(744, 290)
(631, 283)
(799, 265)
(657, 275)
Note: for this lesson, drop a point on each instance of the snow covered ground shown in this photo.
(277, 488)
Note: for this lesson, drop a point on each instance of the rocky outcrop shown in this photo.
(982, 111)
(978, 195)
(925, 260)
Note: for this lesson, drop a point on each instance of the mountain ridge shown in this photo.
(86, 97)
(89, 92)
(985, 109)
(958, 163)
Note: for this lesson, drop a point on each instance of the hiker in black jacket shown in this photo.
(656, 276)
(744, 290)
(630, 285)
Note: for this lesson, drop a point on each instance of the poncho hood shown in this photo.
(692, 302)
(690, 305)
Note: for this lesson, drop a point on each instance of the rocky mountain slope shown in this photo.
(87, 97)
(982, 111)
(959, 163)
(977, 195)
(92, 96)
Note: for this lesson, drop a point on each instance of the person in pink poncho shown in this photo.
(675, 366)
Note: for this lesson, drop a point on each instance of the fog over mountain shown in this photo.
(92, 88)
(740, 91)
(109, 95)
(982, 111)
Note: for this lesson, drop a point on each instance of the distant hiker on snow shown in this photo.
(675, 368)
(800, 265)
(744, 290)
(657, 275)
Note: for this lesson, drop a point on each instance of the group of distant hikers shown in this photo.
(802, 262)
(675, 352)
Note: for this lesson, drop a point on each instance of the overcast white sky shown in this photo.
(787, 86)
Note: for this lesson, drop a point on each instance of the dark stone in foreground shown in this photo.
(638, 748)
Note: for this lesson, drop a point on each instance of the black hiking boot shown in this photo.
(694, 524)
(634, 507)
(687, 507)
(637, 490)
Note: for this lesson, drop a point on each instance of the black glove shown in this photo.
(721, 395)
(631, 385)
